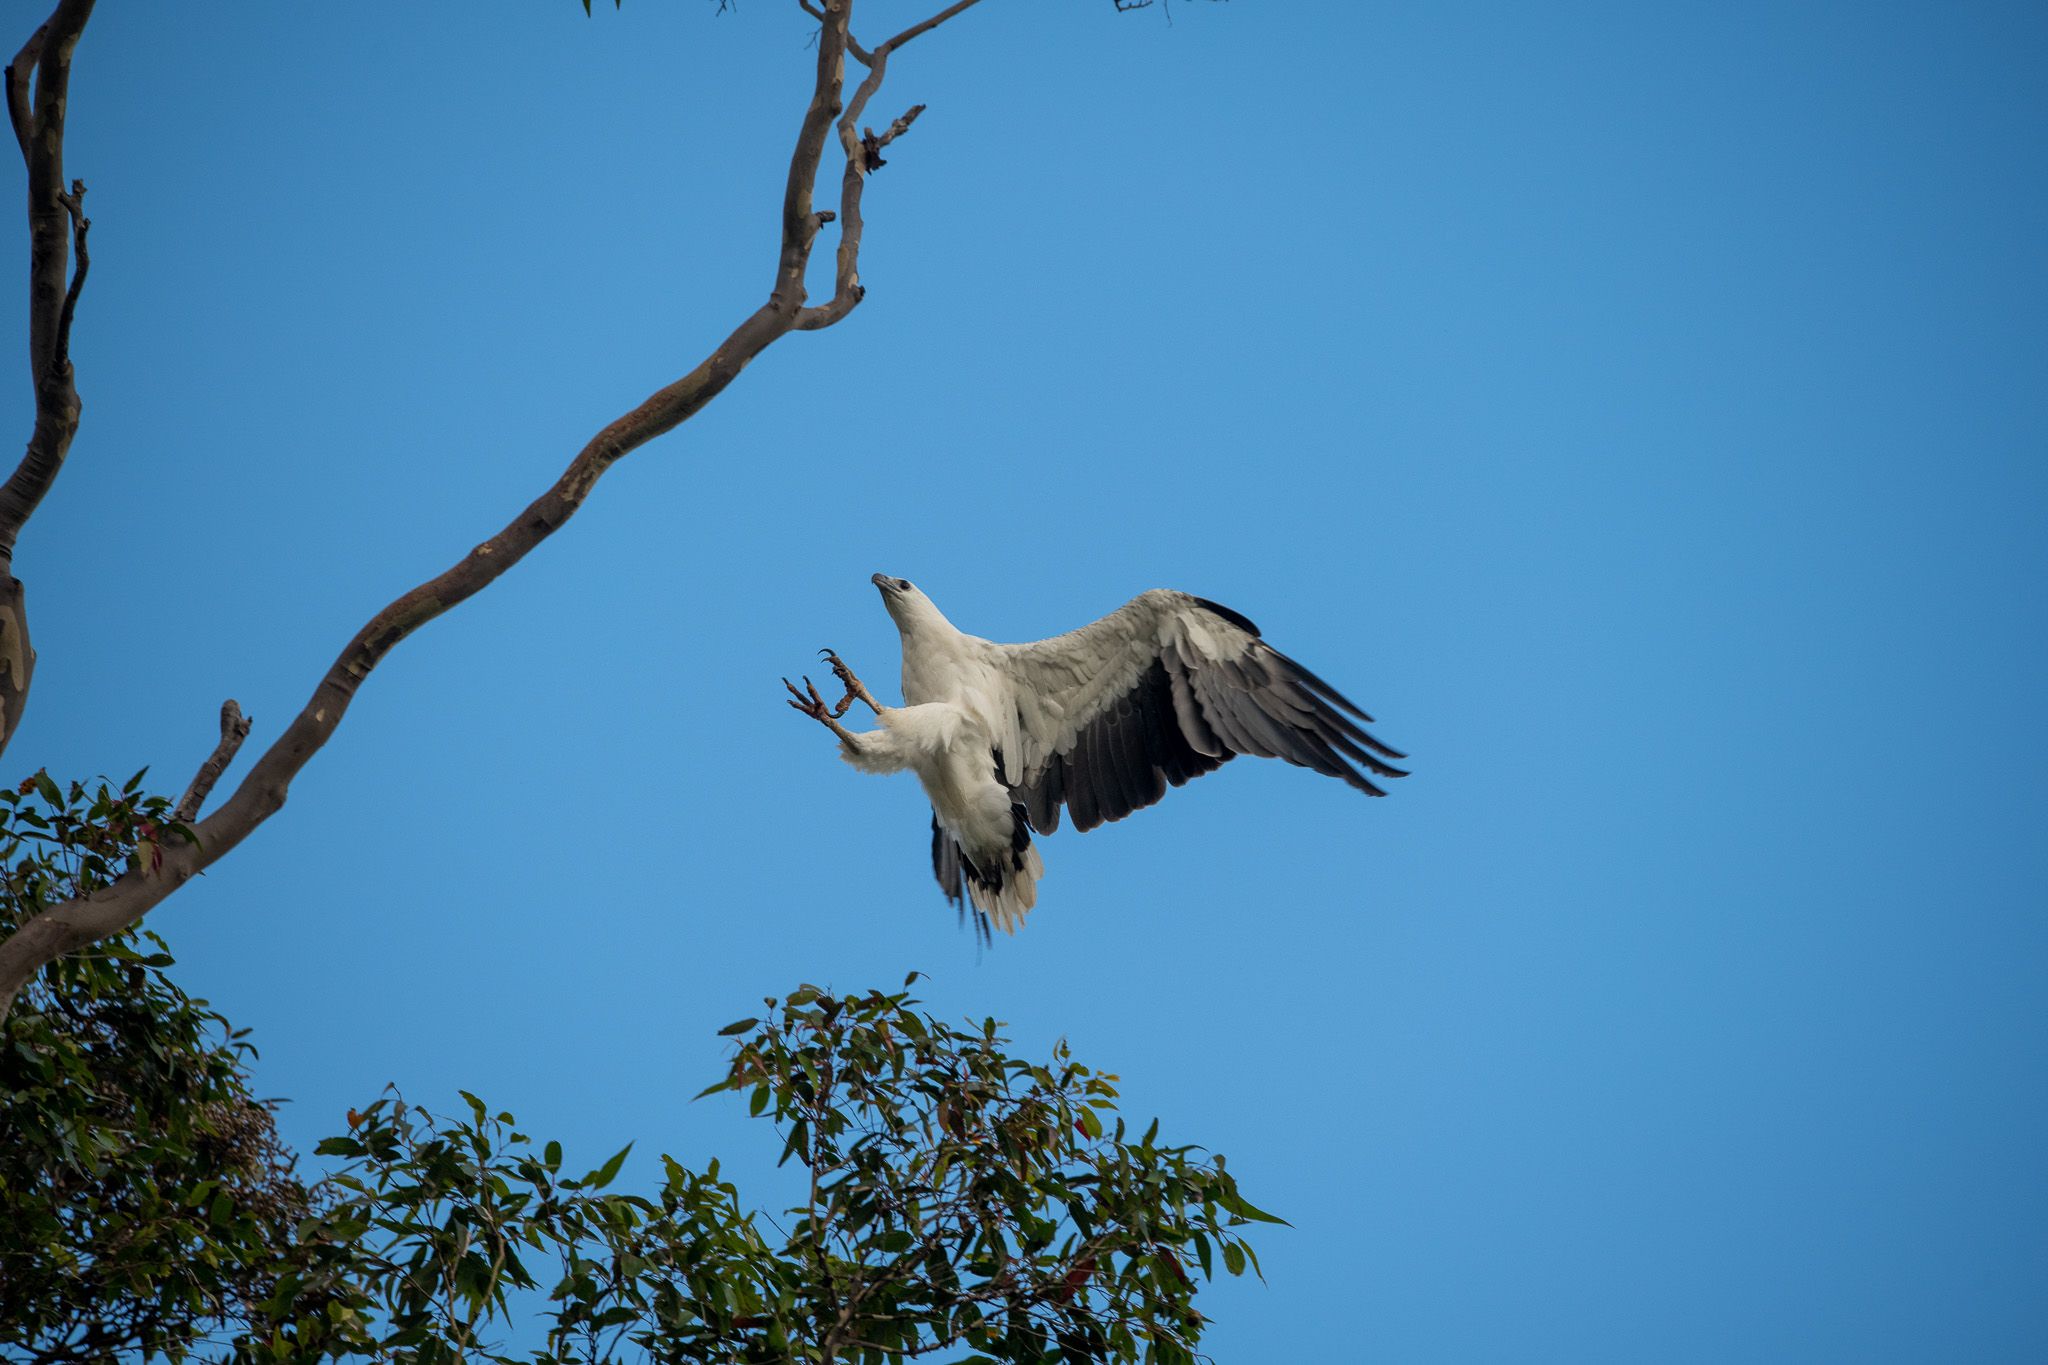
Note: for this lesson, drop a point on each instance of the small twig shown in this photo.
(74, 204)
(234, 728)
(871, 145)
(902, 125)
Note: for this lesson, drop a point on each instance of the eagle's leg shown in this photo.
(819, 710)
(854, 686)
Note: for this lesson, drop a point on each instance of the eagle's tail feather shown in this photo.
(1001, 883)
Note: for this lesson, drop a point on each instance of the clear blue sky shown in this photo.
(1641, 409)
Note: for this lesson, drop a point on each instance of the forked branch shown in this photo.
(37, 83)
(846, 290)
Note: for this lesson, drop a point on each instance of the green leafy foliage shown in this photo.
(960, 1195)
(958, 1199)
(58, 843)
(143, 1193)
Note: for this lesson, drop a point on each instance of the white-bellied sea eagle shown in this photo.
(1101, 720)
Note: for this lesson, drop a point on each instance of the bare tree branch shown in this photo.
(234, 728)
(799, 226)
(925, 27)
(71, 925)
(39, 126)
(55, 221)
(847, 291)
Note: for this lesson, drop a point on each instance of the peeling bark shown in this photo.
(17, 657)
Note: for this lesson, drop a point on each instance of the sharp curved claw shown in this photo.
(811, 706)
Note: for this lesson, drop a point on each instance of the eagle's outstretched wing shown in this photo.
(1165, 688)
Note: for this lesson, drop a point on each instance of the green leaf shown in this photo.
(476, 1106)
(605, 1174)
(739, 1026)
(49, 790)
(1244, 1208)
(1233, 1258)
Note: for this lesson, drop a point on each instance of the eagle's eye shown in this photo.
(903, 584)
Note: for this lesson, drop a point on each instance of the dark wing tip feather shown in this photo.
(946, 862)
(1309, 677)
(1236, 618)
(1266, 704)
(1351, 749)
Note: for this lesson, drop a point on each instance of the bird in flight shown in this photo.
(1101, 720)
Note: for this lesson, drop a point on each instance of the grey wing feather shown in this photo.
(1159, 692)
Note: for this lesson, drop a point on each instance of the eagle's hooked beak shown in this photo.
(884, 582)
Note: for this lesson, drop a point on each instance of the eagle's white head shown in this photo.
(909, 608)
